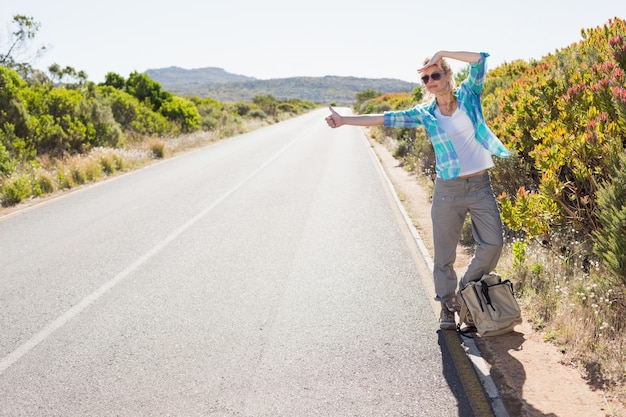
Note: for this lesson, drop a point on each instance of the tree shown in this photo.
(59, 74)
(13, 110)
(146, 90)
(114, 80)
(14, 50)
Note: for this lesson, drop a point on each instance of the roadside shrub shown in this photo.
(12, 107)
(229, 125)
(77, 174)
(64, 179)
(209, 122)
(108, 164)
(91, 168)
(209, 111)
(562, 118)
(43, 183)
(120, 162)
(363, 97)
(610, 239)
(243, 108)
(287, 108)
(257, 114)
(132, 115)
(146, 90)
(54, 124)
(16, 189)
(298, 106)
(402, 149)
(7, 165)
(156, 147)
(103, 130)
(182, 112)
(267, 103)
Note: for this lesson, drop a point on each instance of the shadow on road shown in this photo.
(511, 384)
(453, 377)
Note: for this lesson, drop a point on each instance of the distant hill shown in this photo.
(182, 76)
(224, 86)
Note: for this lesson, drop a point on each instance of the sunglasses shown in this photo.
(436, 76)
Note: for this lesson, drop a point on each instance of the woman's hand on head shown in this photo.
(334, 119)
(434, 60)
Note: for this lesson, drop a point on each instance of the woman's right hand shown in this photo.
(334, 119)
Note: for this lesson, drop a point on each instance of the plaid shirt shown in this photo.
(468, 96)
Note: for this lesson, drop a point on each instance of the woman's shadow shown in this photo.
(510, 386)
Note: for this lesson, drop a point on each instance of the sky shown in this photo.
(288, 38)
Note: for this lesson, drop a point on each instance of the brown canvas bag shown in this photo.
(492, 304)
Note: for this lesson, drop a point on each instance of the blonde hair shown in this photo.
(447, 71)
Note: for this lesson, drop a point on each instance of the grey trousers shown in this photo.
(452, 201)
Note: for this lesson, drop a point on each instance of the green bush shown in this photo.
(15, 190)
(43, 184)
(64, 180)
(108, 164)
(92, 169)
(7, 165)
(563, 117)
(610, 239)
(209, 122)
(120, 163)
(287, 108)
(103, 129)
(132, 115)
(12, 107)
(182, 112)
(363, 97)
(267, 103)
(243, 108)
(53, 124)
(78, 175)
(257, 114)
(146, 90)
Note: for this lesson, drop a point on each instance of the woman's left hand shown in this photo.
(434, 60)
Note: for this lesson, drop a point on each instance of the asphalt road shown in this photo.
(269, 274)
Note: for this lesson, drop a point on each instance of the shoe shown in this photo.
(468, 320)
(446, 318)
(454, 304)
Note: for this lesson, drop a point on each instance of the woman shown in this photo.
(463, 147)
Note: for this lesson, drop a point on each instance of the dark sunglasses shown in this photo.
(436, 76)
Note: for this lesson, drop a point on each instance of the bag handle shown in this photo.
(485, 291)
(478, 298)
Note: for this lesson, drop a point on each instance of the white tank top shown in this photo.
(473, 157)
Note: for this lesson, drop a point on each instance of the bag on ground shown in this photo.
(492, 305)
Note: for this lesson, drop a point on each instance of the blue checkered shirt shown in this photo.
(468, 96)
